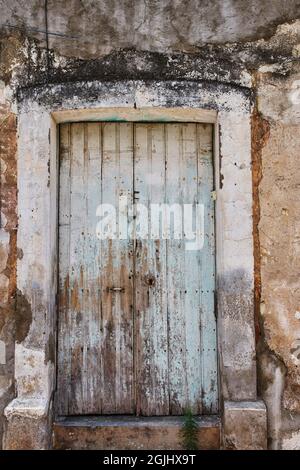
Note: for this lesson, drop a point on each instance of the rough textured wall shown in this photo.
(8, 226)
(89, 28)
(279, 232)
(253, 45)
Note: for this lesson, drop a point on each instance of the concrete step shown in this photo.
(131, 433)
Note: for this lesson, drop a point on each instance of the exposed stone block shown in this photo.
(27, 425)
(245, 425)
(4, 249)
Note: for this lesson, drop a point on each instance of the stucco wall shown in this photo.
(8, 250)
(252, 46)
(279, 194)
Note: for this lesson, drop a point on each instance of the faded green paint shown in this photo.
(137, 327)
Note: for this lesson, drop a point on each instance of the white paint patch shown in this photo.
(29, 407)
(3, 220)
(4, 249)
(273, 399)
(2, 353)
(297, 315)
(4, 283)
(31, 372)
(6, 96)
(292, 442)
(296, 50)
(270, 68)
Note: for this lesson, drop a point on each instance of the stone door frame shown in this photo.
(40, 111)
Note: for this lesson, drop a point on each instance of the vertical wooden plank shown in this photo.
(175, 277)
(117, 307)
(191, 269)
(77, 311)
(150, 281)
(91, 273)
(207, 280)
(184, 306)
(64, 359)
(125, 340)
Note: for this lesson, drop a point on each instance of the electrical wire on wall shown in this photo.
(47, 38)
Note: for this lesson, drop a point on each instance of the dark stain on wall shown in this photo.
(23, 317)
(260, 132)
(50, 349)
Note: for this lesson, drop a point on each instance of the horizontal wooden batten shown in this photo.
(136, 115)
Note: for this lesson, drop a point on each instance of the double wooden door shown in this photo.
(136, 320)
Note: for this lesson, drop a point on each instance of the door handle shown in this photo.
(116, 289)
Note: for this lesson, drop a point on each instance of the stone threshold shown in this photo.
(131, 432)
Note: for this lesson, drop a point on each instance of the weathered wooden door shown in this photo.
(136, 323)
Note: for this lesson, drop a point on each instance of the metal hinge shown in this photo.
(116, 289)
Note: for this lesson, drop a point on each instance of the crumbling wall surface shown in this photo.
(8, 226)
(279, 232)
(89, 29)
(252, 46)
